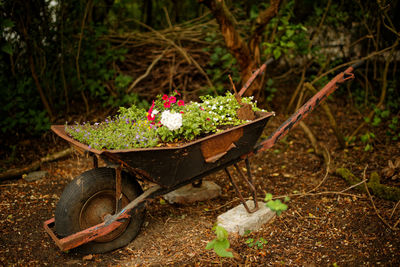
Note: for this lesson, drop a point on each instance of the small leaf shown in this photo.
(7, 48)
(221, 233)
(277, 53)
(210, 244)
(220, 248)
(268, 197)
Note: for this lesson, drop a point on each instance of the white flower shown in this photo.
(172, 121)
(154, 112)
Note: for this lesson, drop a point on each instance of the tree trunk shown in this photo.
(246, 54)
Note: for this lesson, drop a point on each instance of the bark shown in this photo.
(246, 54)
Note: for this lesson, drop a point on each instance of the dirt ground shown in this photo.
(326, 227)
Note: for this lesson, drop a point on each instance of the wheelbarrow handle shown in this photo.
(254, 76)
(306, 109)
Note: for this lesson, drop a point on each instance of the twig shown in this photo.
(326, 172)
(354, 61)
(149, 68)
(354, 185)
(394, 209)
(78, 73)
(183, 52)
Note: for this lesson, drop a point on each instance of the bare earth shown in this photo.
(318, 229)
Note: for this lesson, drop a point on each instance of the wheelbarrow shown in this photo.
(103, 208)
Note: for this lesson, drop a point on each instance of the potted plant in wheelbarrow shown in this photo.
(168, 146)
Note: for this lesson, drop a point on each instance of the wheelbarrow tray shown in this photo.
(171, 166)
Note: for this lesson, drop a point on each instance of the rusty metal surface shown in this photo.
(248, 182)
(215, 148)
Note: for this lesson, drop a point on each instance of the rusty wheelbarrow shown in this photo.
(103, 208)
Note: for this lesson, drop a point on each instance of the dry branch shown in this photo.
(35, 165)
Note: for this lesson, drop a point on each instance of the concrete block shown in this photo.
(238, 220)
(34, 176)
(189, 194)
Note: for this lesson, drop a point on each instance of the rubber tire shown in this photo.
(79, 190)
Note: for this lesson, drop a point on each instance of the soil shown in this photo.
(326, 227)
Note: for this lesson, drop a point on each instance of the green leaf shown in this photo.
(7, 23)
(376, 121)
(277, 53)
(220, 248)
(367, 148)
(250, 240)
(221, 233)
(210, 244)
(289, 33)
(7, 48)
(277, 206)
(385, 114)
(268, 197)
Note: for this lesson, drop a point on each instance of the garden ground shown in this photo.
(325, 227)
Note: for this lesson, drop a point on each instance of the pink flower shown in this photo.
(172, 99)
(181, 103)
(167, 104)
(208, 119)
(177, 93)
(150, 117)
(201, 108)
(165, 97)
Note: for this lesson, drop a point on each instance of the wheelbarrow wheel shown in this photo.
(88, 199)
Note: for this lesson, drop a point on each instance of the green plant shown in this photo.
(394, 131)
(168, 120)
(367, 140)
(289, 38)
(221, 62)
(271, 90)
(275, 205)
(257, 244)
(221, 243)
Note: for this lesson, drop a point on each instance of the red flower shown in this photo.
(201, 108)
(165, 97)
(181, 112)
(208, 119)
(149, 116)
(177, 93)
(181, 103)
(172, 99)
(167, 104)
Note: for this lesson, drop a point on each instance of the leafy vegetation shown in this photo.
(221, 243)
(275, 205)
(167, 120)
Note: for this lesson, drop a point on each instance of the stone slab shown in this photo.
(34, 176)
(238, 220)
(189, 194)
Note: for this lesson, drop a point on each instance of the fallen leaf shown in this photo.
(88, 257)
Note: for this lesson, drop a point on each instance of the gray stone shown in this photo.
(238, 220)
(189, 194)
(34, 176)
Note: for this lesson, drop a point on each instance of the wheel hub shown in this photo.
(97, 208)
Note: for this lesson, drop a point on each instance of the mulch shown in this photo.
(324, 227)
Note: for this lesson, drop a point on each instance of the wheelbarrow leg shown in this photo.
(118, 190)
(249, 183)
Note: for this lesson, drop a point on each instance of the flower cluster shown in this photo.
(172, 121)
(168, 119)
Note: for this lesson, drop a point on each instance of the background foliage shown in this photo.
(67, 58)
